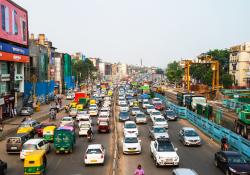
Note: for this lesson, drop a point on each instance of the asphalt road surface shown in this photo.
(67, 164)
(198, 158)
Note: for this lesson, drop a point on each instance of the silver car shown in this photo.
(157, 132)
(188, 136)
(26, 111)
(184, 171)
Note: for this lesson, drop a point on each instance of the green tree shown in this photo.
(174, 72)
(227, 80)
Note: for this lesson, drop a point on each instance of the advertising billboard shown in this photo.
(13, 49)
(4, 56)
(13, 23)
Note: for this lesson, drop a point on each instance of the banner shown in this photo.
(13, 49)
(4, 56)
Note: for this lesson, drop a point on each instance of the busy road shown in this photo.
(66, 164)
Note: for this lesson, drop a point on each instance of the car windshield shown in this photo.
(156, 104)
(135, 109)
(159, 119)
(29, 147)
(124, 114)
(190, 133)
(150, 107)
(131, 140)
(156, 113)
(145, 102)
(23, 125)
(130, 125)
(236, 159)
(171, 113)
(104, 110)
(66, 119)
(165, 148)
(84, 126)
(94, 151)
(124, 105)
(140, 116)
(159, 130)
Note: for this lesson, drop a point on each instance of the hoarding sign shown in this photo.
(1, 101)
(13, 49)
(14, 23)
(5, 77)
(4, 56)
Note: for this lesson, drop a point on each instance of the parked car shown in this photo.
(95, 154)
(157, 132)
(170, 115)
(188, 136)
(34, 144)
(131, 144)
(3, 167)
(184, 171)
(124, 116)
(140, 118)
(26, 111)
(130, 128)
(231, 162)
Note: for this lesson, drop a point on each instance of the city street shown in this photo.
(66, 164)
(198, 158)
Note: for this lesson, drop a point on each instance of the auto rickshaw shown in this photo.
(79, 107)
(92, 102)
(48, 133)
(135, 103)
(26, 130)
(35, 162)
(73, 104)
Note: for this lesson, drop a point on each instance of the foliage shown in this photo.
(227, 80)
(83, 70)
(174, 73)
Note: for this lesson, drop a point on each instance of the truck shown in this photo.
(181, 97)
(163, 152)
(242, 124)
(192, 100)
(79, 95)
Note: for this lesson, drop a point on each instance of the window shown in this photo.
(18, 68)
(4, 68)
(24, 29)
(5, 18)
(14, 23)
(4, 87)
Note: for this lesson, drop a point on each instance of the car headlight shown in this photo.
(232, 170)
(176, 158)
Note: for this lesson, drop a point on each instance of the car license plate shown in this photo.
(93, 161)
(14, 148)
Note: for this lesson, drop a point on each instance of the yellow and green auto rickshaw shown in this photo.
(135, 103)
(73, 104)
(35, 162)
(79, 107)
(26, 130)
(48, 133)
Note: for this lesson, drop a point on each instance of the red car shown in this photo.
(39, 130)
(159, 106)
(104, 127)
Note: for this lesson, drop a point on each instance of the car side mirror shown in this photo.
(176, 149)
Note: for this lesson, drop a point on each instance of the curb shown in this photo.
(115, 157)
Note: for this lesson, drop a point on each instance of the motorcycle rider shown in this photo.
(224, 143)
(52, 114)
(90, 133)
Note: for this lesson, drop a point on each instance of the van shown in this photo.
(14, 144)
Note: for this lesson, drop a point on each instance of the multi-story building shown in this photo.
(122, 70)
(239, 66)
(69, 82)
(59, 73)
(14, 54)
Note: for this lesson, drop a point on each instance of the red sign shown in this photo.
(14, 23)
(4, 56)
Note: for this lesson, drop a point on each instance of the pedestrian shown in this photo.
(139, 170)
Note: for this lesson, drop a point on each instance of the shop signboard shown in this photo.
(5, 77)
(14, 23)
(1, 101)
(13, 49)
(4, 56)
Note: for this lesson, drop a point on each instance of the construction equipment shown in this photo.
(242, 124)
(202, 59)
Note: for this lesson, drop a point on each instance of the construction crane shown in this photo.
(202, 59)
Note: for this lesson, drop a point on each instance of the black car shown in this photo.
(124, 116)
(231, 162)
(170, 115)
(3, 167)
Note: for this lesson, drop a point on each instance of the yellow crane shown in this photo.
(203, 59)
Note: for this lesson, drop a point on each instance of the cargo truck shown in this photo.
(242, 124)
(192, 100)
(181, 97)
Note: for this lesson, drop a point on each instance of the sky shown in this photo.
(156, 31)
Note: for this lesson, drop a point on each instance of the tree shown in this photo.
(174, 72)
(227, 80)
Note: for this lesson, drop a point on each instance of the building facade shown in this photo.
(14, 54)
(239, 66)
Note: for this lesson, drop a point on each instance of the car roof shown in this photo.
(157, 126)
(130, 135)
(67, 117)
(33, 141)
(94, 146)
(184, 171)
(188, 128)
(128, 122)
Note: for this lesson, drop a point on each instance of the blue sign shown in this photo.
(13, 49)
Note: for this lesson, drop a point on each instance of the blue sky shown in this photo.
(158, 31)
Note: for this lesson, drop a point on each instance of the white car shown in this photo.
(67, 121)
(122, 102)
(149, 109)
(70, 96)
(135, 110)
(32, 145)
(131, 144)
(130, 128)
(107, 98)
(82, 115)
(107, 103)
(124, 107)
(95, 154)
(83, 128)
(160, 121)
(104, 111)
(104, 106)
(140, 118)
(93, 111)
(85, 118)
(155, 113)
(156, 100)
(102, 118)
(145, 104)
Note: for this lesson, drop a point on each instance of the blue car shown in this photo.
(124, 116)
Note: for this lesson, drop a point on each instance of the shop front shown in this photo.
(8, 108)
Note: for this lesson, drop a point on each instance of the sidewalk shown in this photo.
(11, 125)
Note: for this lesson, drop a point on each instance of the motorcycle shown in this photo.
(224, 147)
(89, 137)
(53, 115)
